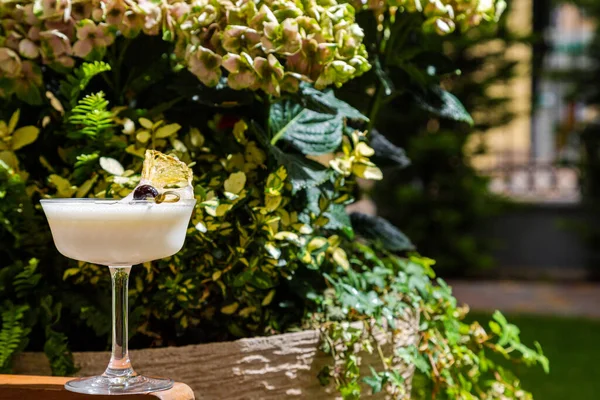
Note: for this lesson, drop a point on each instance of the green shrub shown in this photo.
(237, 91)
(440, 200)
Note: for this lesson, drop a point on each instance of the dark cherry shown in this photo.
(144, 191)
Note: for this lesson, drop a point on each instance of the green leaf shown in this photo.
(386, 81)
(324, 375)
(543, 360)
(310, 132)
(84, 166)
(29, 94)
(25, 282)
(375, 381)
(58, 353)
(74, 84)
(13, 334)
(167, 130)
(241, 278)
(381, 231)
(510, 333)
(396, 378)
(14, 120)
(63, 186)
(230, 308)
(91, 116)
(443, 104)
(327, 102)
(387, 154)
(235, 183)
(302, 172)
(86, 187)
(350, 390)
(95, 318)
(261, 280)
(411, 356)
(24, 136)
(337, 216)
(9, 158)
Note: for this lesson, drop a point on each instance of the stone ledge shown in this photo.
(269, 368)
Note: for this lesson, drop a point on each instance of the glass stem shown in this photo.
(119, 365)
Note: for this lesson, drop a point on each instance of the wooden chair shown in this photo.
(27, 387)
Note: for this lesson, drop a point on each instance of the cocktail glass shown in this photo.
(118, 235)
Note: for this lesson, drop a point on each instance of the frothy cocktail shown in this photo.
(150, 224)
(109, 232)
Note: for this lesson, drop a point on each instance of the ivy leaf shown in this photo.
(411, 356)
(375, 381)
(381, 231)
(310, 132)
(509, 332)
(443, 104)
(302, 172)
(541, 358)
(395, 377)
(387, 154)
(350, 390)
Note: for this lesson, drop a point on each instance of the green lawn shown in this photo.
(573, 347)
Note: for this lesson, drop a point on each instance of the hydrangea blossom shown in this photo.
(268, 45)
(441, 16)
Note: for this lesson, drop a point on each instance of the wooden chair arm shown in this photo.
(25, 387)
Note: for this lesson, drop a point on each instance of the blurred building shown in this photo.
(534, 157)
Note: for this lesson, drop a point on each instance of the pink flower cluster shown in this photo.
(441, 16)
(267, 45)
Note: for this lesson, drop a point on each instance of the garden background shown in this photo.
(471, 129)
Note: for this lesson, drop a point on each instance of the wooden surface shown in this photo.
(28, 387)
(266, 368)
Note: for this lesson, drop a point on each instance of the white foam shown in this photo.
(115, 232)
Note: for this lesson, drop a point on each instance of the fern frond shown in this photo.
(12, 334)
(91, 116)
(58, 353)
(74, 84)
(26, 281)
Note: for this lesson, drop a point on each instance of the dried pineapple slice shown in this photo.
(165, 171)
(169, 176)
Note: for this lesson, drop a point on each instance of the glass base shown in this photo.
(118, 385)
